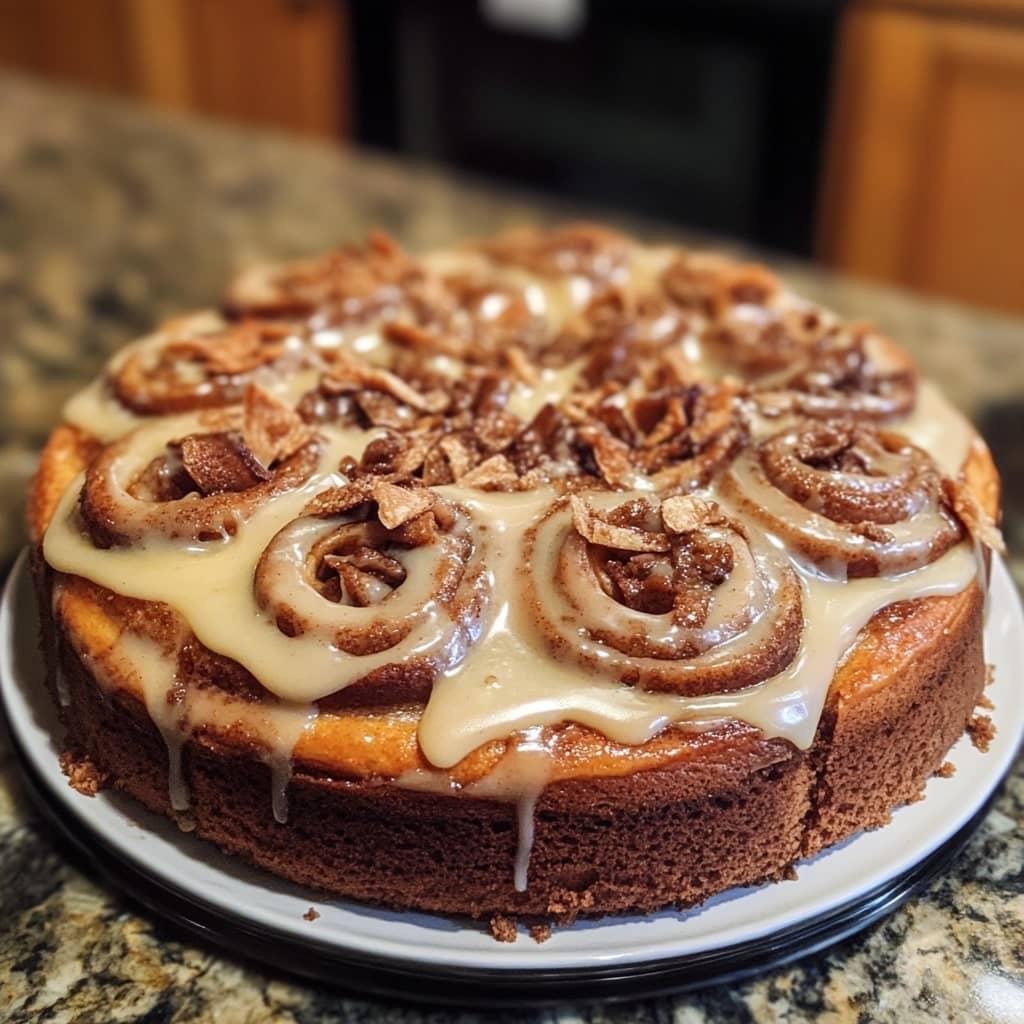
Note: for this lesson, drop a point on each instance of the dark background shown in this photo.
(711, 115)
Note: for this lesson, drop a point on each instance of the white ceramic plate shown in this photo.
(834, 879)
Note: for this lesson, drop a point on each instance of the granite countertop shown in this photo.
(112, 218)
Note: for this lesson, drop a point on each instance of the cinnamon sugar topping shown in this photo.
(272, 429)
(970, 512)
(626, 535)
(238, 349)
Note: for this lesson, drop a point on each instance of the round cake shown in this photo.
(552, 574)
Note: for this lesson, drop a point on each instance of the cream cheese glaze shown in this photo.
(506, 682)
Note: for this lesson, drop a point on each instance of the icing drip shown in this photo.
(520, 776)
(155, 673)
(61, 685)
(288, 727)
(179, 714)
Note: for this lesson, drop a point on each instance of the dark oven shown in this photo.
(707, 114)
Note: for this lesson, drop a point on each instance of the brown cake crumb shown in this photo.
(83, 776)
(985, 703)
(982, 731)
(540, 932)
(567, 905)
(310, 915)
(503, 928)
(990, 673)
(946, 770)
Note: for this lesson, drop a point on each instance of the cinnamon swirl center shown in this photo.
(358, 580)
(852, 499)
(202, 363)
(178, 481)
(672, 596)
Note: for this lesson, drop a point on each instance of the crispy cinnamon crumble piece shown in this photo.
(237, 349)
(970, 512)
(503, 928)
(336, 500)
(83, 775)
(311, 914)
(220, 462)
(540, 933)
(272, 429)
(348, 374)
(600, 529)
(982, 731)
(684, 514)
(493, 474)
(397, 505)
(613, 457)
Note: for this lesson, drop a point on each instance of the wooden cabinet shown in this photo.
(277, 62)
(924, 181)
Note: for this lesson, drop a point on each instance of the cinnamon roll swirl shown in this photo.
(584, 250)
(850, 498)
(346, 285)
(196, 478)
(857, 374)
(674, 595)
(376, 567)
(203, 362)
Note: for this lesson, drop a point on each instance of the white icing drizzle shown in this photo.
(508, 683)
(60, 681)
(211, 586)
(95, 410)
(155, 674)
(520, 776)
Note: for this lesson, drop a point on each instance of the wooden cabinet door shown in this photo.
(277, 62)
(280, 62)
(924, 181)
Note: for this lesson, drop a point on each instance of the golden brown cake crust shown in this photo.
(618, 827)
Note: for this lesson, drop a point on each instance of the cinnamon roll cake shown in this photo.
(551, 574)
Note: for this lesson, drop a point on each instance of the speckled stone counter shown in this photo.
(111, 218)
